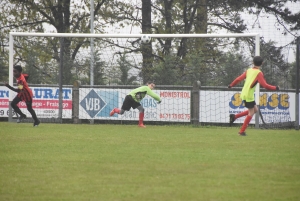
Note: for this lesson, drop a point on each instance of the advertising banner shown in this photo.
(45, 102)
(97, 104)
(215, 106)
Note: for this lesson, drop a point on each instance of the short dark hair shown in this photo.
(150, 82)
(18, 68)
(258, 60)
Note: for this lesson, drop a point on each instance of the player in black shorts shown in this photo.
(252, 76)
(133, 99)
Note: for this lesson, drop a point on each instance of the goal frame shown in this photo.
(88, 35)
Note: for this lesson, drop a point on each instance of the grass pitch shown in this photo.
(124, 162)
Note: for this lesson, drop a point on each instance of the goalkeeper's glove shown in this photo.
(277, 88)
(159, 102)
(229, 86)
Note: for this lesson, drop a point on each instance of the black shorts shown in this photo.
(249, 105)
(129, 103)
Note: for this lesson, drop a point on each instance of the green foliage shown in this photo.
(38, 64)
(99, 75)
(33, 71)
(181, 17)
(195, 68)
(125, 66)
(230, 65)
(83, 71)
(293, 76)
(174, 16)
(166, 73)
(3, 68)
(275, 68)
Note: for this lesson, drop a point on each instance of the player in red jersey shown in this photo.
(24, 94)
(252, 76)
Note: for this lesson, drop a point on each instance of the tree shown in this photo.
(83, 70)
(293, 76)
(160, 16)
(60, 15)
(125, 66)
(206, 16)
(230, 65)
(147, 69)
(166, 73)
(3, 68)
(275, 68)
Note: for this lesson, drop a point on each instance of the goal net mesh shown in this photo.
(174, 64)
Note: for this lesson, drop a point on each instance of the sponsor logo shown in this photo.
(92, 103)
(280, 101)
(175, 94)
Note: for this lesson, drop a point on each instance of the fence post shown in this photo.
(297, 82)
(75, 104)
(195, 109)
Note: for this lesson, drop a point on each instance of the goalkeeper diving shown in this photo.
(133, 99)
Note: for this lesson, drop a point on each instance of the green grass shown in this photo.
(124, 162)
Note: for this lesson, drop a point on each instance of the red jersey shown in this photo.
(259, 78)
(24, 93)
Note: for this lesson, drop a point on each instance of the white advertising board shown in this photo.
(215, 106)
(97, 104)
(45, 102)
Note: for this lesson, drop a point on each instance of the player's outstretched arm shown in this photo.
(237, 80)
(153, 95)
(264, 84)
(11, 88)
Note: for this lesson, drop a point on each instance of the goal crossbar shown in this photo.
(87, 35)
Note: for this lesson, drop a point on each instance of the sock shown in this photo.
(141, 118)
(245, 124)
(117, 110)
(241, 114)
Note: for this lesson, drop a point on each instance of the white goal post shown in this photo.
(87, 35)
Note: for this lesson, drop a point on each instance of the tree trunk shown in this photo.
(201, 23)
(147, 68)
(168, 17)
(63, 18)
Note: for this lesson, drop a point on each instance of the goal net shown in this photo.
(70, 80)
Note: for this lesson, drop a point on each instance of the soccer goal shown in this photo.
(62, 65)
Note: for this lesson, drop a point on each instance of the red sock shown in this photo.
(245, 124)
(117, 110)
(241, 114)
(141, 118)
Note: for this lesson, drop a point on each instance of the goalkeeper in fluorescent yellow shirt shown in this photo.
(133, 99)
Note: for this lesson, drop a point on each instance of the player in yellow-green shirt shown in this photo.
(133, 99)
(252, 76)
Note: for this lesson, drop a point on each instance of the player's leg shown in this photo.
(233, 117)
(32, 112)
(126, 106)
(252, 109)
(14, 105)
(115, 110)
(141, 116)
